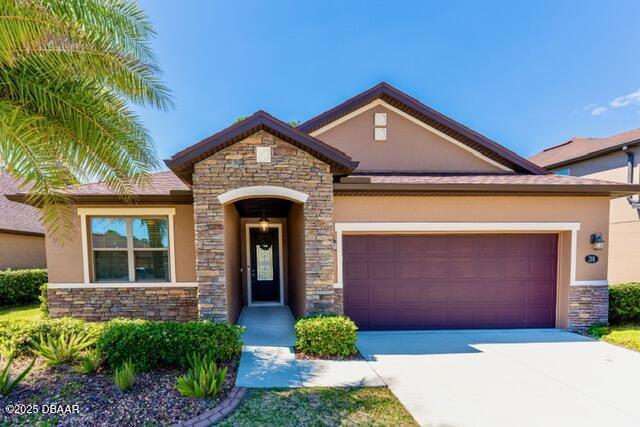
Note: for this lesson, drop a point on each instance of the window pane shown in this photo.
(109, 233)
(152, 265)
(264, 258)
(111, 266)
(150, 233)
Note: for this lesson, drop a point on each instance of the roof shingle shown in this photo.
(580, 148)
(14, 216)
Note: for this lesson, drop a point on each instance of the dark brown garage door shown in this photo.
(450, 281)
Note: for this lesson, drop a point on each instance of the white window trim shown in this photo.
(453, 227)
(247, 233)
(125, 212)
(409, 117)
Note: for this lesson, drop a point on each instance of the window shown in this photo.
(130, 249)
(564, 172)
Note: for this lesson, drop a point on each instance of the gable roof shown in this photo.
(182, 162)
(429, 116)
(582, 148)
(17, 217)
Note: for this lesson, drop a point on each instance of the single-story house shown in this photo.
(380, 208)
(614, 158)
(21, 232)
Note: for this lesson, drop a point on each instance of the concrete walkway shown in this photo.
(268, 359)
(505, 378)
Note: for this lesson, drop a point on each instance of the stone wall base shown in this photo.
(588, 305)
(100, 304)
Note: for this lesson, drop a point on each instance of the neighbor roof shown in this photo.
(583, 148)
(429, 116)
(474, 183)
(16, 217)
(182, 162)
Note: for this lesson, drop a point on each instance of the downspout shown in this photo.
(630, 165)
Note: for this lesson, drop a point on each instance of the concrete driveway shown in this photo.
(508, 377)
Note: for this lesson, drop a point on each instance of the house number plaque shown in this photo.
(591, 259)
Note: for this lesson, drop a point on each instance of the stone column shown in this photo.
(588, 305)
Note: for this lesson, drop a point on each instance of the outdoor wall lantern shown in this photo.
(597, 241)
(263, 224)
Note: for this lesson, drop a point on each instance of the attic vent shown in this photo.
(380, 123)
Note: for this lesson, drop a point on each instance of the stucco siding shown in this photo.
(590, 212)
(624, 228)
(21, 251)
(409, 146)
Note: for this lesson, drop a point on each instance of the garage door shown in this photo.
(450, 281)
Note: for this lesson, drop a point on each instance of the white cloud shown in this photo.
(598, 110)
(590, 106)
(623, 101)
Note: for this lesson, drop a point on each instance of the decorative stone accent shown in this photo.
(235, 167)
(100, 304)
(220, 412)
(338, 297)
(588, 305)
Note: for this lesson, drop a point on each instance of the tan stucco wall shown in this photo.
(64, 260)
(232, 247)
(624, 227)
(21, 251)
(295, 221)
(591, 212)
(409, 147)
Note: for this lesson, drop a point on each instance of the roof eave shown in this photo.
(613, 191)
(175, 197)
(182, 162)
(591, 155)
(384, 89)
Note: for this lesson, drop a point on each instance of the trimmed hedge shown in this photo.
(326, 335)
(19, 333)
(624, 303)
(151, 344)
(21, 286)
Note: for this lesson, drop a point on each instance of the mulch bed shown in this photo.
(153, 400)
(304, 356)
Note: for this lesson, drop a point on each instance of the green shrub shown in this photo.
(44, 302)
(89, 362)
(203, 379)
(150, 344)
(326, 336)
(7, 381)
(624, 303)
(21, 286)
(62, 349)
(19, 334)
(125, 376)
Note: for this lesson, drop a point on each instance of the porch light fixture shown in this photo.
(597, 241)
(263, 224)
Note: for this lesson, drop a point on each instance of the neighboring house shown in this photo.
(380, 208)
(615, 158)
(21, 232)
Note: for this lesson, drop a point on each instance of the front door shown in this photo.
(265, 262)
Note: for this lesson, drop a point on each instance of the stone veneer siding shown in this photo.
(588, 305)
(236, 167)
(100, 304)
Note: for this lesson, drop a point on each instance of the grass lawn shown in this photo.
(624, 335)
(23, 312)
(372, 406)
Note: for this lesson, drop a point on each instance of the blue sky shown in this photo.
(526, 74)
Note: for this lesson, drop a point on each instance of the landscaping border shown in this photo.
(220, 412)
